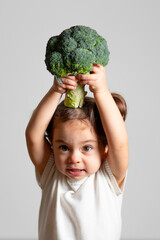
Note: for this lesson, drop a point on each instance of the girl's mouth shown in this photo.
(75, 171)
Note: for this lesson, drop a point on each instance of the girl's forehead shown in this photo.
(75, 126)
(76, 123)
(79, 123)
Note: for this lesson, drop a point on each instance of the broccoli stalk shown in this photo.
(74, 51)
(75, 98)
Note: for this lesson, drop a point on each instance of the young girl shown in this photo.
(82, 170)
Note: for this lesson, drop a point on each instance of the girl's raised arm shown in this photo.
(38, 148)
(112, 121)
(116, 133)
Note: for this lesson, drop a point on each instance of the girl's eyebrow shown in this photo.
(60, 141)
(82, 142)
(89, 140)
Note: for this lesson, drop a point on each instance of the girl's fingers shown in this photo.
(86, 77)
(71, 87)
(65, 86)
(70, 77)
(97, 65)
(96, 68)
(68, 81)
(89, 82)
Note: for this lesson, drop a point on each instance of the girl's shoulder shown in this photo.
(110, 178)
(48, 172)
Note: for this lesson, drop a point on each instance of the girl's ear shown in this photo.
(106, 151)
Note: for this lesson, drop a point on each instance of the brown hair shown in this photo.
(88, 112)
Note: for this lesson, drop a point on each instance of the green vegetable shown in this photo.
(75, 98)
(74, 51)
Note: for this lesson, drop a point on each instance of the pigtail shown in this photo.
(121, 104)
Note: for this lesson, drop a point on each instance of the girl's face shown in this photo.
(77, 151)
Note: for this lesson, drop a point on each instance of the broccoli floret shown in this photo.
(74, 51)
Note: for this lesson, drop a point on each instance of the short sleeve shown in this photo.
(47, 174)
(112, 180)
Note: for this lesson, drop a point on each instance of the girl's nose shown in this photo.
(74, 158)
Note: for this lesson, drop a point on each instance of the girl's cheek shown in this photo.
(93, 167)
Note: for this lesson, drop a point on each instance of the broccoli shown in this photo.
(74, 51)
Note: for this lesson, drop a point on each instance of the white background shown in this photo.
(132, 30)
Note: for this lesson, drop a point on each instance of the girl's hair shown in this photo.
(88, 112)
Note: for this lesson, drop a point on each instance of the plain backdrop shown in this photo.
(132, 30)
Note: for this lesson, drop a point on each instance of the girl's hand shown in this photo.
(68, 82)
(96, 80)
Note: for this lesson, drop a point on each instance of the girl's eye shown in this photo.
(86, 148)
(63, 148)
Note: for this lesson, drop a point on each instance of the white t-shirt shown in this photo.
(89, 209)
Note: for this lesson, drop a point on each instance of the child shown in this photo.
(82, 170)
